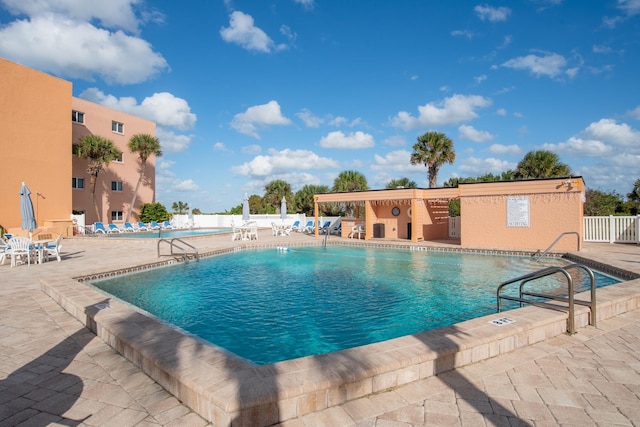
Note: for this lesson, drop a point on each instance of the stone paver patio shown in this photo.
(54, 371)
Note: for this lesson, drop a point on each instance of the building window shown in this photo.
(116, 216)
(118, 159)
(117, 127)
(77, 183)
(77, 117)
(116, 185)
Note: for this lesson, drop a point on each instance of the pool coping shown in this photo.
(226, 389)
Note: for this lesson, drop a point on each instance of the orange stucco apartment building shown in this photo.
(40, 121)
(519, 215)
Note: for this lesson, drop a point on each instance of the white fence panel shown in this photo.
(612, 229)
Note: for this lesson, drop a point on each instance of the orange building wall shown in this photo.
(554, 208)
(97, 121)
(35, 112)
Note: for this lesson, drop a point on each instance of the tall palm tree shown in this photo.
(304, 202)
(275, 191)
(541, 164)
(145, 145)
(403, 182)
(99, 151)
(433, 149)
(348, 181)
(180, 207)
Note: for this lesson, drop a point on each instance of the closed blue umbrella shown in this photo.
(245, 208)
(283, 209)
(26, 209)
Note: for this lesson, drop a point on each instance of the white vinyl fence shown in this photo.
(612, 229)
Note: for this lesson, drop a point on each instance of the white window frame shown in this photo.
(117, 127)
(75, 181)
(116, 216)
(77, 117)
(117, 186)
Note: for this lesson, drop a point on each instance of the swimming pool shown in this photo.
(270, 305)
(168, 234)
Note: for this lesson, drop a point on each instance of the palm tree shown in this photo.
(634, 196)
(180, 207)
(304, 202)
(349, 181)
(145, 145)
(433, 149)
(275, 191)
(99, 151)
(401, 183)
(541, 164)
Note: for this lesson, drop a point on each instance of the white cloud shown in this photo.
(113, 56)
(501, 112)
(474, 166)
(259, 116)
(635, 113)
(184, 185)
(219, 146)
(578, 147)
(480, 79)
(112, 14)
(171, 142)
(629, 7)
(307, 4)
(354, 140)
(609, 131)
(504, 149)
(163, 108)
(551, 64)
(472, 134)
(243, 32)
(395, 141)
(251, 149)
(492, 14)
(309, 119)
(457, 108)
(285, 161)
(462, 33)
(399, 161)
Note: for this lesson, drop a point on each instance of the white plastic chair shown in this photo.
(19, 247)
(53, 249)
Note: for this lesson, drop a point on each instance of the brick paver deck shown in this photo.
(53, 371)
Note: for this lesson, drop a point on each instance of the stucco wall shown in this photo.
(35, 116)
(554, 208)
(97, 121)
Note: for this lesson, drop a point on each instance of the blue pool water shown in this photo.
(168, 234)
(269, 305)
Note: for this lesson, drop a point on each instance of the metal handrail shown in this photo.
(570, 299)
(556, 241)
(184, 253)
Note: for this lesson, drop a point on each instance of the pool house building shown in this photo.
(524, 214)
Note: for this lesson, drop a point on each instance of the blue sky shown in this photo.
(245, 92)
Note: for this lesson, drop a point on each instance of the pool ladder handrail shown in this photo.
(570, 299)
(556, 241)
(184, 253)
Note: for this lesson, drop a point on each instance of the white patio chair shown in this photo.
(236, 233)
(53, 249)
(19, 248)
(274, 229)
(253, 232)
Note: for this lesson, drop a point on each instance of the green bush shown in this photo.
(154, 212)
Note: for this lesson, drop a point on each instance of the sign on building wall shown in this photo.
(518, 211)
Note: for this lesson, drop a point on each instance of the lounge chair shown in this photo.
(142, 226)
(325, 227)
(309, 227)
(153, 226)
(336, 229)
(295, 226)
(129, 227)
(114, 229)
(166, 225)
(98, 228)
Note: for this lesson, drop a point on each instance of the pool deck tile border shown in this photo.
(227, 390)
